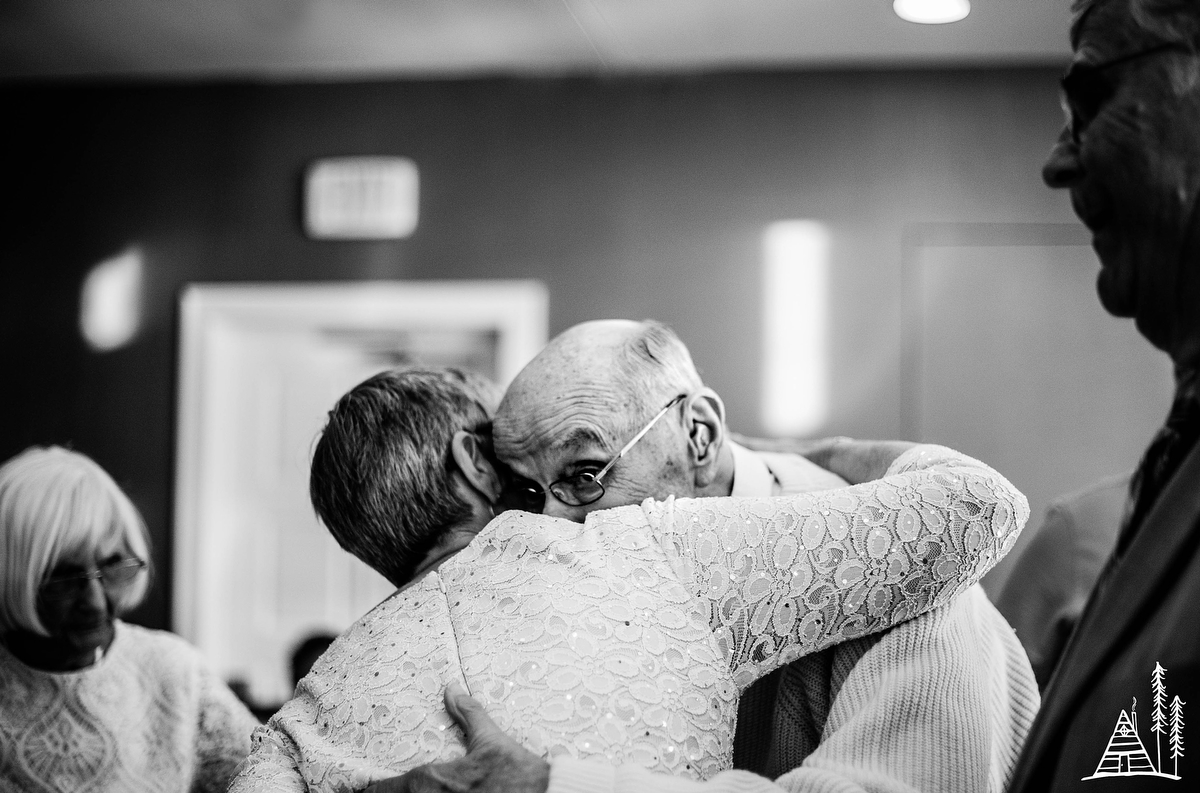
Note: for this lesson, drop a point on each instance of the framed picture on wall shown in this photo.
(255, 574)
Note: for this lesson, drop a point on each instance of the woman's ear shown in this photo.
(472, 461)
(705, 424)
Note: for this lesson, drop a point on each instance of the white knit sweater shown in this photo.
(150, 716)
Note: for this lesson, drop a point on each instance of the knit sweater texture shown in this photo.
(149, 716)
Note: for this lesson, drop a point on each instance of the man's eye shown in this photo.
(1086, 91)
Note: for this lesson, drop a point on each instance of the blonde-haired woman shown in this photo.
(88, 702)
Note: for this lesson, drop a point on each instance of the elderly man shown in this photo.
(591, 389)
(1130, 155)
(942, 702)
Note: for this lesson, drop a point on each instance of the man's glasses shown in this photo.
(1085, 88)
(113, 576)
(577, 490)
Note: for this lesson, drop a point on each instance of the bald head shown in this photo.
(596, 381)
(589, 391)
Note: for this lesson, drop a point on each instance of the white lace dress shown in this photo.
(629, 637)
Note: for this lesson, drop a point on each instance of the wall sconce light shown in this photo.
(361, 198)
(110, 301)
(795, 385)
(931, 12)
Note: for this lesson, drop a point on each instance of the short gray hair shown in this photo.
(382, 471)
(652, 367)
(55, 502)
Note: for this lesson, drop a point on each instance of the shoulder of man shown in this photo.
(1096, 510)
(1051, 578)
(798, 474)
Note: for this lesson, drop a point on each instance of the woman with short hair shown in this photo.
(88, 702)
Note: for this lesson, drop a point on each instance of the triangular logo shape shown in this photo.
(1125, 754)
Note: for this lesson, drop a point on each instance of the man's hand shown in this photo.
(494, 763)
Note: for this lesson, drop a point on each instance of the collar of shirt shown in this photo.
(751, 476)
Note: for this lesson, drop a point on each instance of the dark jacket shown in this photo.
(1145, 611)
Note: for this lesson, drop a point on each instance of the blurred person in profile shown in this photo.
(307, 653)
(1051, 580)
(88, 702)
(1130, 156)
(625, 637)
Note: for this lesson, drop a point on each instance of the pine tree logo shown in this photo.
(1126, 755)
(1176, 732)
(1158, 717)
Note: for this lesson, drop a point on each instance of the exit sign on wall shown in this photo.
(361, 198)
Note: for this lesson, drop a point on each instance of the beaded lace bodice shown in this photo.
(628, 637)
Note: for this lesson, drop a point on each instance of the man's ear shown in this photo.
(474, 464)
(705, 424)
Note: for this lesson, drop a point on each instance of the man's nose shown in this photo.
(557, 509)
(1062, 168)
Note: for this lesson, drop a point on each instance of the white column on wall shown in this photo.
(795, 373)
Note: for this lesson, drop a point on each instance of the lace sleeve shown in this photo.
(270, 768)
(786, 577)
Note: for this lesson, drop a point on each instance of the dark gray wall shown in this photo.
(628, 197)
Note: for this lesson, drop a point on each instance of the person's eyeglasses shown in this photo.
(113, 576)
(1085, 87)
(577, 490)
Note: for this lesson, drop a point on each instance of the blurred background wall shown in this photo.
(633, 197)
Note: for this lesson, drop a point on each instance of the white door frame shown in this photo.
(210, 318)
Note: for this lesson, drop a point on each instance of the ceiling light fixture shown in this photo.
(931, 12)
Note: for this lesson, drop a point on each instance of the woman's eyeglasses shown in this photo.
(577, 490)
(113, 576)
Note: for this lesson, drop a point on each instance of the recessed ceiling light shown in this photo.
(931, 12)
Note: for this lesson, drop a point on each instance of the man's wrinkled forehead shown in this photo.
(1104, 29)
(551, 455)
(533, 431)
(1081, 11)
(1115, 28)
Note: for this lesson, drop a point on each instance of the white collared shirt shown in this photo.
(751, 476)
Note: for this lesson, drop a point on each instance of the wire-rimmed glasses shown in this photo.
(113, 576)
(577, 490)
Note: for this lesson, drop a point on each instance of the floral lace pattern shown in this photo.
(783, 581)
(370, 706)
(628, 637)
